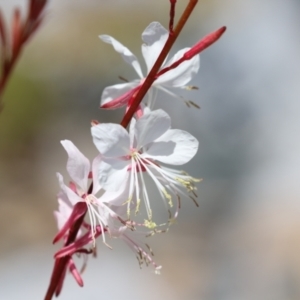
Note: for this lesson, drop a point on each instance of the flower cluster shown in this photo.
(108, 197)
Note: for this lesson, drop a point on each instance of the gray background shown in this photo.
(243, 241)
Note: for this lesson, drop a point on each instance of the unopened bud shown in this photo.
(204, 43)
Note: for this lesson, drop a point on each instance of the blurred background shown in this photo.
(243, 242)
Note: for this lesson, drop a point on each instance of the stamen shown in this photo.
(196, 203)
(138, 203)
(194, 104)
(191, 87)
(150, 249)
(168, 197)
(123, 79)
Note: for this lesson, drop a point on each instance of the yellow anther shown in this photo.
(171, 221)
(137, 208)
(149, 224)
(196, 179)
(168, 197)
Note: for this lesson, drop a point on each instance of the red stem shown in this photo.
(172, 15)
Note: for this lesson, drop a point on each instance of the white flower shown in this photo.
(109, 217)
(154, 37)
(127, 156)
(79, 169)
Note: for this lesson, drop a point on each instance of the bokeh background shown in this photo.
(243, 242)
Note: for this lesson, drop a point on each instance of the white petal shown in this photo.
(117, 95)
(155, 37)
(181, 75)
(117, 199)
(131, 133)
(112, 140)
(71, 196)
(63, 213)
(151, 126)
(175, 147)
(127, 55)
(112, 174)
(95, 168)
(78, 165)
(110, 219)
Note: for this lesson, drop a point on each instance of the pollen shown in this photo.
(150, 224)
(168, 197)
(138, 203)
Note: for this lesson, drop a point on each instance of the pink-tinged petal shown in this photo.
(64, 197)
(112, 174)
(112, 140)
(151, 126)
(175, 147)
(71, 195)
(182, 74)
(155, 37)
(118, 95)
(127, 55)
(78, 211)
(63, 213)
(78, 165)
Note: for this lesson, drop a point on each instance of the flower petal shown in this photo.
(127, 55)
(118, 95)
(112, 140)
(78, 165)
(155, 37)
(95, 167)
(175, 147)
(63, 213)
(112, 174)
(72, 197)
(131, 133)
(117, 198)
(181, 75)
(151, 126)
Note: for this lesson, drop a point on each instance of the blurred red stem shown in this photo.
(20, 34)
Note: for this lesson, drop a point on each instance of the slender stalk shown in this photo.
(172, 15)
(161, 58)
